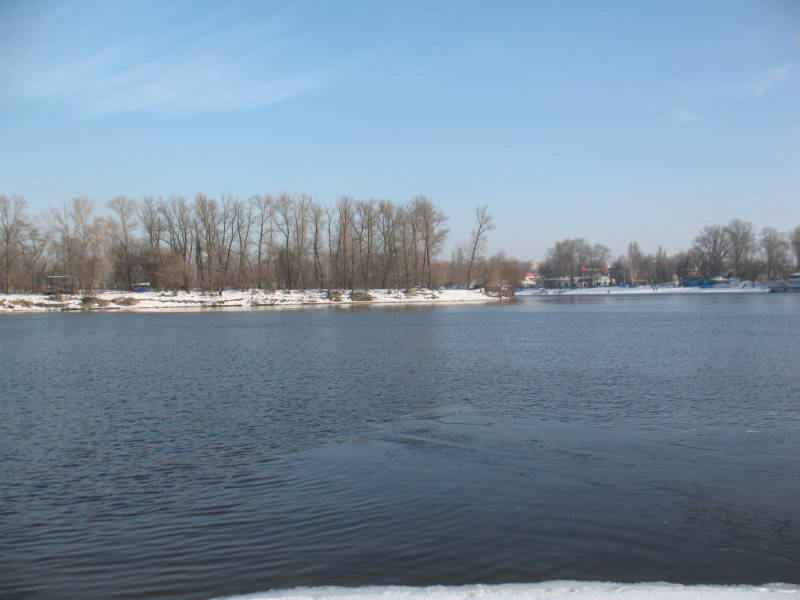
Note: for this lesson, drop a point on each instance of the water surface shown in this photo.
(197, 454)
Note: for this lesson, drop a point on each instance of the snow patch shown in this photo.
(646, 289)
(551, 590)
(232, 298)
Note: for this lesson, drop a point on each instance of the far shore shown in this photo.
(249, 299)
(110, 300)
(641, 290)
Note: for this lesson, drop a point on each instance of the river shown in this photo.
(199, 454)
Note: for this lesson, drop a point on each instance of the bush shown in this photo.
(125, 301)
(358, 296)
(334, 295)
(89, 302)
(499, 291)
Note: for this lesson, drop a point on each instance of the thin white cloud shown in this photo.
(212, 62)
(770, 79)
(685, 114)
(677, 109)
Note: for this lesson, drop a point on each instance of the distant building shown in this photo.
(594, 277)
(533, 279)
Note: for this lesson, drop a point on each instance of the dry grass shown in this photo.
(21, 302)
(90, 302)
(499, 292)
(125, 301)
(360, 296)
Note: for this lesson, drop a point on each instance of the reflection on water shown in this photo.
(202, 454)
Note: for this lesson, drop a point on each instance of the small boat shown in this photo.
(788, 284)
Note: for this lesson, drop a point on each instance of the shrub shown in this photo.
(89, 302)
(334, 295)
(359, 296)
(125, 301)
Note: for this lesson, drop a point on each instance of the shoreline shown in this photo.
(242, 299)
(643, 290)
(547, 590)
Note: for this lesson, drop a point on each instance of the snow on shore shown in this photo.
(646, 289)
(551, 590)
(232, 298)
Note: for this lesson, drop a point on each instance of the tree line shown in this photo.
(283, 241)
(296, 242)
(732, 250)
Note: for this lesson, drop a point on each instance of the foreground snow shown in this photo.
(235, 298)
(551, 590)
(646, 289)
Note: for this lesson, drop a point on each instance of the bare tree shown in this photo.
(150, 213)
(264, 220)
(179, 224)
(775, 249)
(13, 224)
(741, 242)
(318, 222)
(635, 262)
(712, 246)
(387, 231)
(343, 246)
(300, 217)
(283, 220)
(78, 241)
(125, 211)
(243, 221)
(483, 225)
(433, 232)
(795, 241)
(207, 235)
(34, 261)
(662, 267)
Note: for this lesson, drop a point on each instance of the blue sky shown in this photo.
(613, 121)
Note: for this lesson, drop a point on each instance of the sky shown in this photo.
(612, 121)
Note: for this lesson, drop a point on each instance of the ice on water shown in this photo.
(554, 590)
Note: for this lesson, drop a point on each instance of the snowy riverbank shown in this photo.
(231, 299)
(551, 590)
(643, 289)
